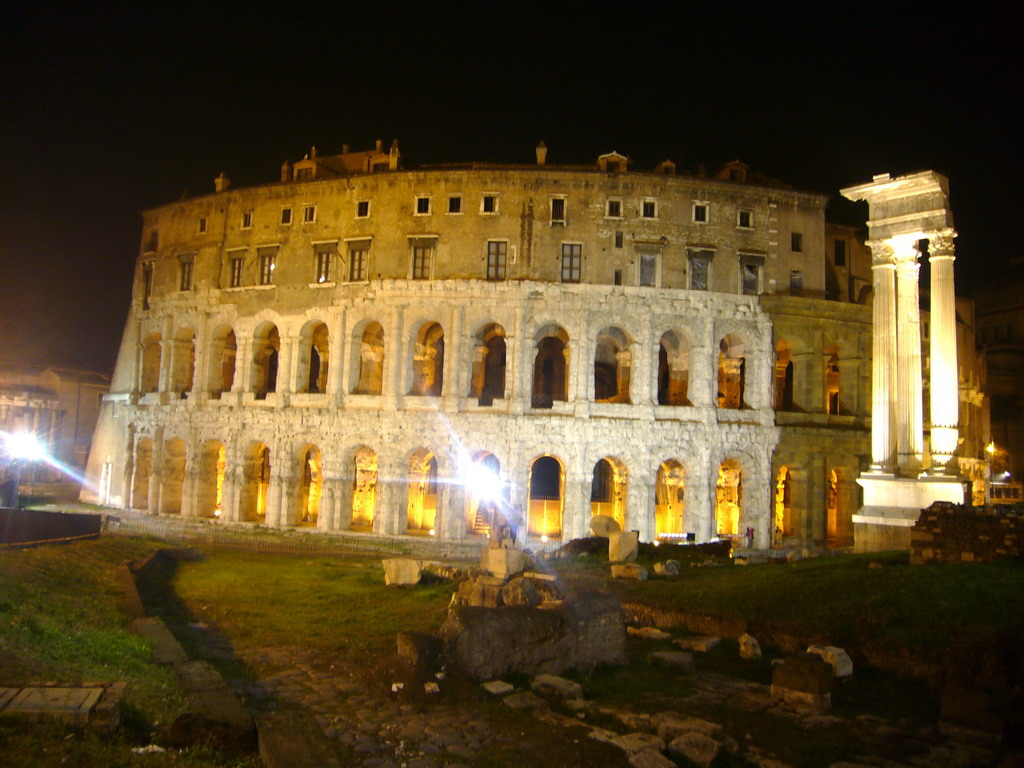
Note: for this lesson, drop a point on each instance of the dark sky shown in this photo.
(105, 113)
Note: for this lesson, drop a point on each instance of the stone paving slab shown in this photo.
(70, 704)
(6, 694)
(289, 740)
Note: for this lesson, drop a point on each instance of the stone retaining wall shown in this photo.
(949, 533)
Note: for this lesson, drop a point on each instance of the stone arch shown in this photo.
(783, 400)
(428, 361)
(670, 498)
(782, 517)
(266, 349)
(210, 479)
(550, 366)
(732, 365)
(729, 498)
(489, 364)
(256, 469)
(843, 499)
(149, 364)
(480, 502)
(546, 495)
(172, 476)
(421, 508)
(832, 402)
(673, 369)
(608, 489)
(311, 485)
(368, 344)
(364, 488)
(223, 351)
(183, 361)
(314, 357)
(612, 366)
(142, 472)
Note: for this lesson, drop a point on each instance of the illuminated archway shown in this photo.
(669, 498)
(732, 371)
(149, 364)
(364, 489)
(550, 367)
(210, 479)
(480, 509)
(612, 367)
(783, 517)
(142, 471)
(266, 350)
(310, 486)
(252, 501)
(428, 361)
(673, 369)
(422, 492)
(314, 356)
(783, 400)
(547, 486)
(370, 346)
(608, 490)
(488, 375)
(729, 498)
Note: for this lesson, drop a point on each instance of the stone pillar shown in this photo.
(909, 416)
(883, 361)
(201, 357)
(391, 515)
(156, 477)
(640, 505)
(575, 388)
(945, 394)
(288, 364)
(190, 485)
(343, 480)
(394, 362)
(454, 369)
(279, 488)
(233, 479)
(337, 362)
(243, 364)
(849, 381)
(575, 505)
(451, 510)
(624, 375)
(807, 383)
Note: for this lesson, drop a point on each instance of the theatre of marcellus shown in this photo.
(695, 355)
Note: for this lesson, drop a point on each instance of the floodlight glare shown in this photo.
(25, 446)
(482, 482)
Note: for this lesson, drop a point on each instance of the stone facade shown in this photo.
(346, 349)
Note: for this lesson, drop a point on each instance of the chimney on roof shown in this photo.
(393, 156)
(312, 153)
(344, 149)
(542, 153)
(221, 183)
(380, 143)
(286, 171)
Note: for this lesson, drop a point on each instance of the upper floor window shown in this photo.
(796, 242)
(489, 204)
(308, 214)
(362, 209)
(796, 282)
(572, 262)
(614, 209)
(455, 204)
(268, 264)
(237, 263)
(303, 174)
(497, 251)
(358, 260)
(153, 240)
(618, 239)
(422, 256)
(324, 262)
(700, 269)
(422, 205)
(247, 219)
(201, 226)
(750, 274)
(185, 266)
(649, 209)
(286, 216)
(700, 213)
(147, 283)
(745, 218)
(839, 253)
(648, 269)
(558, 210)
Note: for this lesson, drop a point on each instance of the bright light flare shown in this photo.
(23, 445)
(482, 482)
(990, 448)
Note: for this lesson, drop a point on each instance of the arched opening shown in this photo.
(783, 376)
(183, 361)
(480, 504)
(783, 523)
(223, 350)
(364, 489)
(832, 381)
(545, 502)
(252, 501)
(488, 379)
(311, 486)
(422, 493)
(142, 471)
(669, 495)
(266, 351)
(149, 365)
(550, 367)
(314, 352)
(210, 479)
(673, 369)
(172, 476)
(612, 366)
(731, 372)
(370, 344)
(832, 510)
(729, 498)
(428, 361)
(608, 490)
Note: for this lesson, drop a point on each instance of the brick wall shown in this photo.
(948, 533)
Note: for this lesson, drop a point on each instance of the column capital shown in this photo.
(940, 244)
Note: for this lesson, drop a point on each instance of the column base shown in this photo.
(892, 506)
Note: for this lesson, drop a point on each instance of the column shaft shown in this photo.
(945, 405)
(883, 361)
(910, 419)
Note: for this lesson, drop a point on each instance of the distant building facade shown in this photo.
(344, 348)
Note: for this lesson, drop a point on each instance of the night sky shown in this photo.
(103, 114)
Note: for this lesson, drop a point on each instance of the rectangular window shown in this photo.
(358, 261)
(700, 213)
(649, 209)
(617, 277)
(324, 257)
(303, 174)
(796, 282)
(421, 262)
(363, 209)
(572, 262)
(614, 209)
(152, 240)
(750, 274)
(286, 216)
(745, 219)
(497, 250)
(839, 253)
(236, 271)
(185, 266)
(308, 214)
(489, 204)
(558, 210)
(202, 225)
(618, 239)
(147, 283)
(422, 206)
(648, 269)
(454, 204)
(700, 269)
(796, 242)
(247, 219)
(268, 263)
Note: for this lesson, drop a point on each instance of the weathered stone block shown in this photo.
(631, 743)
(749, 647)
(671, 725)
(648, 633)
(623, 546)
(520, 592)
(554, 687)
(702, 643)
(650, 758)
(838, 659)
(698, 748)
(401, 571)
(630, 571)
(503, 562)
(419, 649)
(498, 687)
(668, 568)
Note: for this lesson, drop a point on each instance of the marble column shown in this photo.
(883, 360)
(909, 410)
(945, 396)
